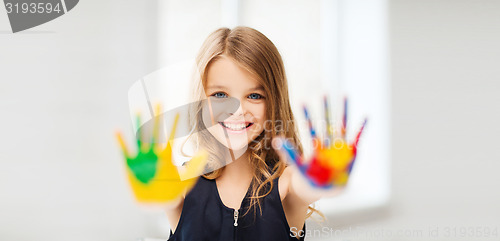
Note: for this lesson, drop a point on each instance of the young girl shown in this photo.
(255, 195)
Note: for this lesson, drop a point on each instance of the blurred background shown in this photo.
(426, 73)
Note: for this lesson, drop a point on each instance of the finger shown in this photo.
(156, 125)
(167, 152)
(344, 119)
(288, 149)
(174, 127)
(356, 140)
(309, 123)
(195, 166)
(121, 142)
(329, 132)
(276, 146)
(355, 146)
(138, 135)
(169, 171)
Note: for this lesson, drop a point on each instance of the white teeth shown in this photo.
(235, 127)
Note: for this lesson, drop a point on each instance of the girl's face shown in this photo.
(241, 119)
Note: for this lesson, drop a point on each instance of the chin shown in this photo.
(234, 143)
(238, 147)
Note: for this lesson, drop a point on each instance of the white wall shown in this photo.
(445, 78)
(63, 92)
(446, 93)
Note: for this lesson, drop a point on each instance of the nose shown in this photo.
(239, 112)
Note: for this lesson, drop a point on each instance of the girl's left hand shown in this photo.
(153, 177)
(333, 157)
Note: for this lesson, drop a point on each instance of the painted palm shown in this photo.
(333, 157)
(152, 175)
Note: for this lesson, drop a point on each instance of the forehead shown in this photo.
(226, 73)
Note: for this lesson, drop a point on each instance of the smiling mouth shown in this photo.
(236, 126)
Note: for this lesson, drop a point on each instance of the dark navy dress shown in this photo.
(205, 218)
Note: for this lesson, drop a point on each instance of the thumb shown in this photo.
(286, 150)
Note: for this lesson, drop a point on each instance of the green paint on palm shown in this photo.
(144, 165)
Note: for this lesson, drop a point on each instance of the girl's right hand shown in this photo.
(153, 177)
(333, 156)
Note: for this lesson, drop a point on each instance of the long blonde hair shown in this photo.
(254, 52)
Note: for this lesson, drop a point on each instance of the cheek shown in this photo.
(259, 113)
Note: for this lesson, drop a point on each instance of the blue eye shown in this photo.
(219, 95)
(255, 96)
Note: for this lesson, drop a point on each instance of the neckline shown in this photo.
(222, 203)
